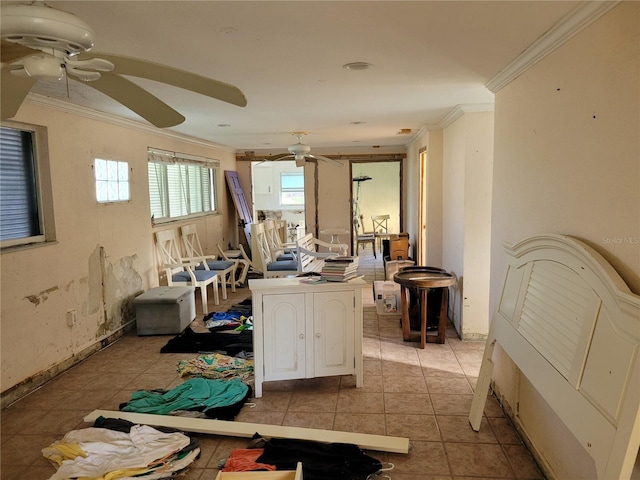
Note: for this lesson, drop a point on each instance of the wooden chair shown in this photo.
(363, 237)
(308, 256)
(279, 249)
(380, 228)
(271, 268)
(225, 269)
(184, 273)
(249, 260)
(241, 261)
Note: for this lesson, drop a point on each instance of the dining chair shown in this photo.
(243, 263)
(362, 237)
(225, 269)
(181, 272)
(380, 228)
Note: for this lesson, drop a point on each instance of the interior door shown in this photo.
(421, 254)
(240, 202)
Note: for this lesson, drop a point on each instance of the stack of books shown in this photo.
(339, 269)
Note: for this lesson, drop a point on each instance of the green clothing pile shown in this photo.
(213, 397)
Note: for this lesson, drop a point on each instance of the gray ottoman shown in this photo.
(165, 310)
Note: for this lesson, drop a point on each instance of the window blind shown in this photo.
(19, 215)
(180, 185)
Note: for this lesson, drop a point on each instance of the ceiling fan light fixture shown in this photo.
(357, 66)
(43, 67)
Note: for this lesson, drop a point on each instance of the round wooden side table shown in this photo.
(422, 279)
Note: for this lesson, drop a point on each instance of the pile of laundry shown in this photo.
(220, 399)
(220, 321)
(216, 366)
(229, 332)
(320, 461)
(117, 449)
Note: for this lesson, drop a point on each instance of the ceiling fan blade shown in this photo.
(173, 76)
(281, 156)
(325, 159)
(13, 92)
(11, 52)
(135, 98)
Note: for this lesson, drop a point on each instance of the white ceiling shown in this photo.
(287, 56)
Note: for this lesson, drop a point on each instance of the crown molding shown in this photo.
(42, 100)
(580, 17)
(460, 110)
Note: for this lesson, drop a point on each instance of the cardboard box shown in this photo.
(387, 298)
(393, 266)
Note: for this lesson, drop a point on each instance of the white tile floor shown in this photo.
(424, 395)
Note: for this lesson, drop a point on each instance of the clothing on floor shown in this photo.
(220, 399)
(216, 366)
(320, 461)
(191, 342)
(101, 453)
(244, 460)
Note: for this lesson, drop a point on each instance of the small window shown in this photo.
(26, 204)
(292, 188)
(112, 181)
(181, 185)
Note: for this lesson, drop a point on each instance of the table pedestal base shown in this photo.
(442, 322)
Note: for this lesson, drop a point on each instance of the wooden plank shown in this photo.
(242, 429)
(274, 475)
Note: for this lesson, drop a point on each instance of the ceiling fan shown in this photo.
(43, 43)
(300, 152)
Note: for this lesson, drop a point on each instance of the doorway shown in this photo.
(375, 190)
(421, 254)
(278, 194)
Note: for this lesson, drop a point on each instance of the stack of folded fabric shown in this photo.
(119, 449)
(339, 269)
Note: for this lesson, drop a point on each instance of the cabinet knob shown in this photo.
(317, 335)
(301, 336)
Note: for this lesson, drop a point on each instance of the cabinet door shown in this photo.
(333, 336)
(284, 336)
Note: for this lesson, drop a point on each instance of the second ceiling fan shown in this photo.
(300, 152)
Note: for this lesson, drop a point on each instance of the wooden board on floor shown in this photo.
(274, 475)
(242, 429)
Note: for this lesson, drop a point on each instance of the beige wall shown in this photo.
(467, 172)
(104, 254)
(567, 160)
(334, 200)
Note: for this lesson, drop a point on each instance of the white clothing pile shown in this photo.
(100, 453)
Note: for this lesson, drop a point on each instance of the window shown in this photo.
(112, 181)
(181, 185)
(26, 205)
(292, 188)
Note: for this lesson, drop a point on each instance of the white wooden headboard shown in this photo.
(572, 326)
